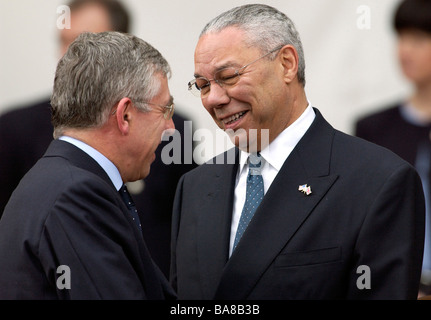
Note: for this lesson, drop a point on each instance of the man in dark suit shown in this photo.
(405, 126)
(26, 132)
(339, 217)
(67, 232)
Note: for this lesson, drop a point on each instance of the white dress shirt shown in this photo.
(274, 156)
(107, 165)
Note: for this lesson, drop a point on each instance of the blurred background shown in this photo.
(350, 52)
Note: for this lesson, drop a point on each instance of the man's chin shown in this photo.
(238, 137)
(249, 141)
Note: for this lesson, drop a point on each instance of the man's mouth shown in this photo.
(233, 118)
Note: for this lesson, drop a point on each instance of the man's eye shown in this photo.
(204, 85)
(200, 83)
(227, 76)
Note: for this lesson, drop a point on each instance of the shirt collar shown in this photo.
(110, 169)
(412, 115)
(278, 150)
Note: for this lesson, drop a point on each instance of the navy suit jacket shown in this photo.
(366, 210)
(25, 134)
(389, 129)
(67, 212)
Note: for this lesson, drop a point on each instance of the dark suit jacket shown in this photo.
(389, 129)
(366, 209)
(25, 134)
(66, 211)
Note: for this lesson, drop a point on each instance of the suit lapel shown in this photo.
(282, 211)
(214, 224)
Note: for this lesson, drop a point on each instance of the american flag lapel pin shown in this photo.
(305, 189)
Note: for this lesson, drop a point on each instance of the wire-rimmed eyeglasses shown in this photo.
(200, 86)
(168, 109)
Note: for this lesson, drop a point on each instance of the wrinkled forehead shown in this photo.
(217, 50)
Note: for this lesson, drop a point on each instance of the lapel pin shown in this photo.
(304, 188)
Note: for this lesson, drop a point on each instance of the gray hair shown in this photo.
(265, 27)
(97, 71)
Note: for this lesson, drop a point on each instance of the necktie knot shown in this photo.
(255, 160)
(255, 164)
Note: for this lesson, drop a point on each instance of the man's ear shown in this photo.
(289, 60)
(123, 115)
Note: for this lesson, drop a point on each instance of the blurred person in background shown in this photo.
(405, 126)
(26, 132)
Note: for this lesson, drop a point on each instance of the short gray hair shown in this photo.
(97, 71)
(265, 27)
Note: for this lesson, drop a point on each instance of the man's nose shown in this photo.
(217, 96)
(169, 128)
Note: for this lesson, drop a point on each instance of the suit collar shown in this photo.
(103, 161)
(282, 211)
(77, 157)
(314, 149)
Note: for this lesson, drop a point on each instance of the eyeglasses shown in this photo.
(200, 87)
(168, 110)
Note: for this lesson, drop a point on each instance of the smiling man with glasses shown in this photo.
(303, 210)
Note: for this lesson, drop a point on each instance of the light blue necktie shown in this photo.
(254, 195)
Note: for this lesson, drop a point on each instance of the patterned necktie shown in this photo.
(125, 195)
(254, 195)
